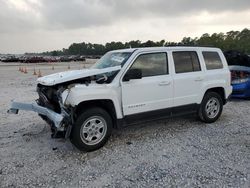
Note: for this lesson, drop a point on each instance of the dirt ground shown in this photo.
(179, 152)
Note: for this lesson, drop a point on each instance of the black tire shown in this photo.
(83, 122)
(204, 113)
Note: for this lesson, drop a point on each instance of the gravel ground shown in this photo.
(179, 152)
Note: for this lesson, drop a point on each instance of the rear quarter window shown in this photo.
(212, 60)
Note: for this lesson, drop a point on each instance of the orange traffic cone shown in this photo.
(25, 71)
(34, 73)
(39, 73)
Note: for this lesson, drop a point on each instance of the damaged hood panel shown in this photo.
(66, 76)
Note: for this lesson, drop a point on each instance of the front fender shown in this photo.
(82, 93)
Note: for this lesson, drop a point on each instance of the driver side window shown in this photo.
(152, 64)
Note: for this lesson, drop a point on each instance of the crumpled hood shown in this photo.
(66, 76)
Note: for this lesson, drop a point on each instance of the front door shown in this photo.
(154, 91)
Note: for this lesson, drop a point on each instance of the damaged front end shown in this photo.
(53, 91)
(49, 106)
(57, 121)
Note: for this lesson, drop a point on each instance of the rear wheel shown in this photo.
(92, 129)
(211, 107)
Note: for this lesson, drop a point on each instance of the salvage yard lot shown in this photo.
(173, 152)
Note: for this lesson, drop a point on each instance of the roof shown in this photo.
(165, 48)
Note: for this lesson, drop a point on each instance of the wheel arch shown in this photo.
(220, 91)
(105, 104)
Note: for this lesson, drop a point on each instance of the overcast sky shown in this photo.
(41, 25)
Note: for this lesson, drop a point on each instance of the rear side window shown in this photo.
(212, 60)
(187, 61)
(152, 64)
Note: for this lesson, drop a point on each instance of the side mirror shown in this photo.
(132, 74)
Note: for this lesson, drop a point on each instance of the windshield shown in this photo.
(112, 59)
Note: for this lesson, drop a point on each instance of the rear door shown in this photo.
(154, 91)
(188, 77)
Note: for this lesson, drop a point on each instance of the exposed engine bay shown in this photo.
(51, 97)
(53, 91)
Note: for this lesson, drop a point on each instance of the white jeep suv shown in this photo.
(130, 86)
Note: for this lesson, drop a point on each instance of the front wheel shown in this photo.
(210, 108)
(92, 129)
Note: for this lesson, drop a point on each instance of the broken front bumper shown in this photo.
(56, 118)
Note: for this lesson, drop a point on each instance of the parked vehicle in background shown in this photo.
(239, 65)
(240, 81)
(237, 58)
(130, 86)
(51, 59)
(64, 59)
(34, 59)
(81, 58)
(9, 58)
(30, 58)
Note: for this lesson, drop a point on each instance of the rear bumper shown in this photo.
(56, 118)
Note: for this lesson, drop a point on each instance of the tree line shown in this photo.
(232, 40)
